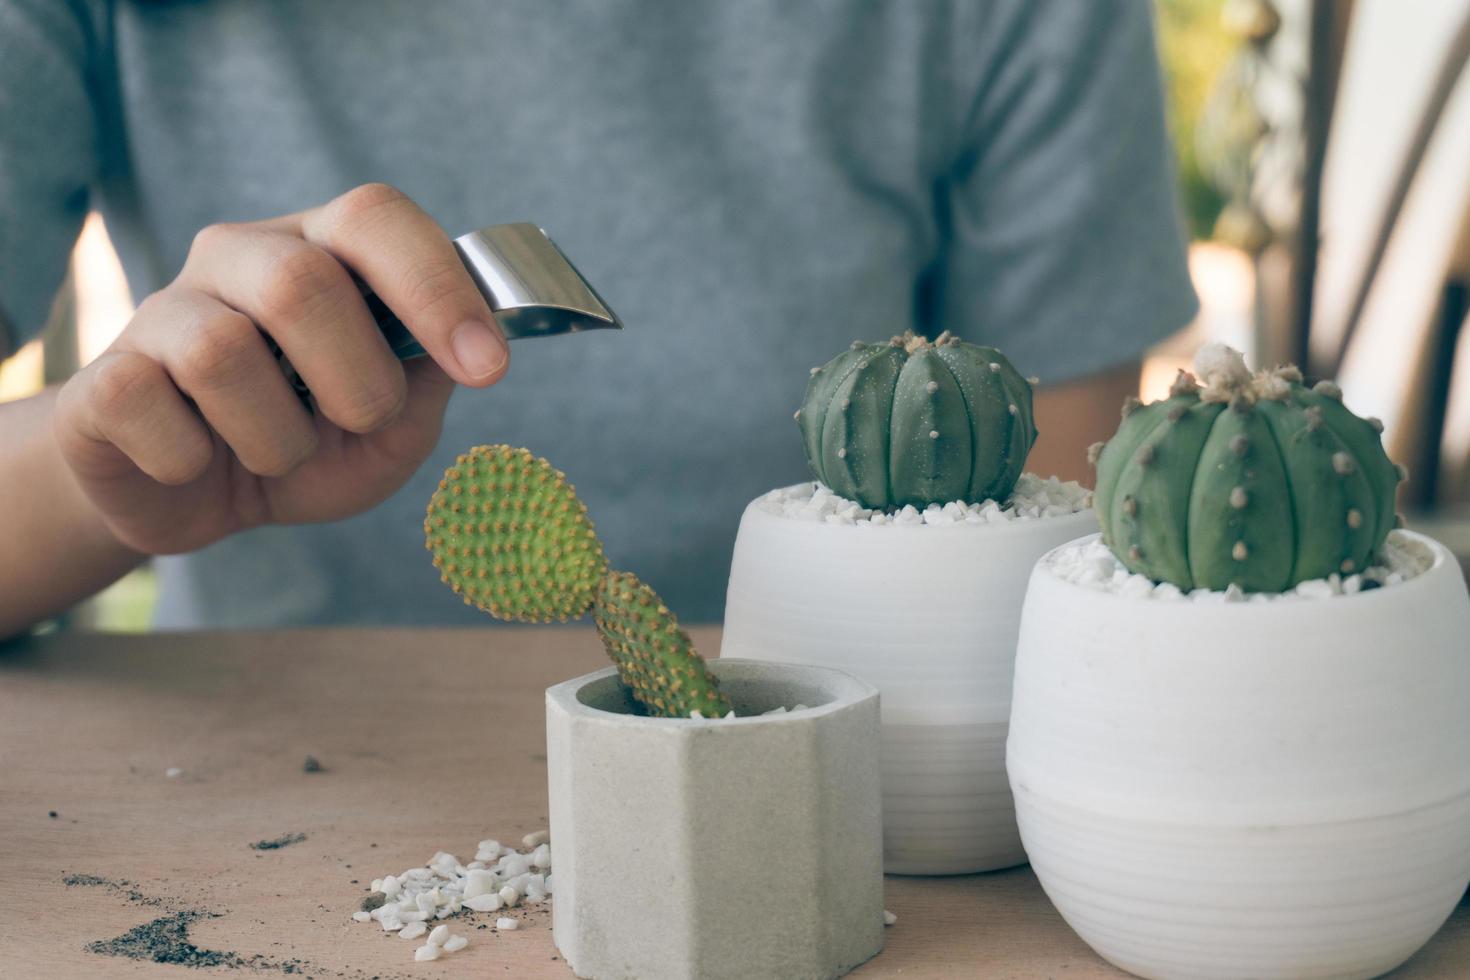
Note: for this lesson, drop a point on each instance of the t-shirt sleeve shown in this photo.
(1067, 249)
(48, 155)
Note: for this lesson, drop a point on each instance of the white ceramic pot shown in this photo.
(929, 615)
(1270, 790)
(740, 848)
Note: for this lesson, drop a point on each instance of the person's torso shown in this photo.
(749, 185)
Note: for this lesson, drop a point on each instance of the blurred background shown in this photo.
(1323, 149)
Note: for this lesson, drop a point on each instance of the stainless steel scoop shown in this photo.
(530, 284)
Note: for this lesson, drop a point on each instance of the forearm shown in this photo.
(1073, 415)
(56, 549)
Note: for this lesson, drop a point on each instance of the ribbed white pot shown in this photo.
(1268, 790)
(929, 615)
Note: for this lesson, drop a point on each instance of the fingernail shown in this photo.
(480, 350)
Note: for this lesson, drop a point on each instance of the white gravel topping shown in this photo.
(889, 918)
(700, 715)
(499, 877)
(1089, 563)
(1032, 499)
(505, 925)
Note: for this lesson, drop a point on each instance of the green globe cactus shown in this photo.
(510, 536)
(1250, 480)
(656, 659)
(914, 422)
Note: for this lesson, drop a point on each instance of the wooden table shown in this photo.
(429, 741)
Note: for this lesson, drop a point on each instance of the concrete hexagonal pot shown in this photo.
(1272, 790)
(749, 847)
(929, 615)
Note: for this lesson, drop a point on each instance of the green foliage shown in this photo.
(1194, 49)
(910, 422)
(656, 659)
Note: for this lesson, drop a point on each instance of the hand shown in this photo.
(185, 430)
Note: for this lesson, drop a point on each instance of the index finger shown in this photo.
(411, 264)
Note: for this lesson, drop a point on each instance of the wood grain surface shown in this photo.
(429, 740)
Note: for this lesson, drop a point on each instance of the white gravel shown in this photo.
(700, 715)
(1032, 499)
(1089, 563)
(499, 877)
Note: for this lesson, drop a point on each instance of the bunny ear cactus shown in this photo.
(656, 659)
(510, 536)
(914, 422)
(1251, 480)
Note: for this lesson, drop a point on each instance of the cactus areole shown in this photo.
(1251, 480)
(914, 422)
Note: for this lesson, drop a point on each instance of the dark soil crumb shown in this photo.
(51, 814)
(123, 888)
(166, 940)
(312, 764)
(276, 843)
(374, 901)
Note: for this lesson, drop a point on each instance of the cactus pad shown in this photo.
(914, 422)
(1252, 480)
(510, 536)
(656, 659)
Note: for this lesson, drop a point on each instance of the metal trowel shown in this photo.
(531, 286)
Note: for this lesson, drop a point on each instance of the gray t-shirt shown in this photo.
(751, 186)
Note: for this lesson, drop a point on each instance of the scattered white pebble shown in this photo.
(477, 882)
(1033, 498)
(1091, 564)
(443, 887)
(889, 918)
(173, 772)
(503, 923)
